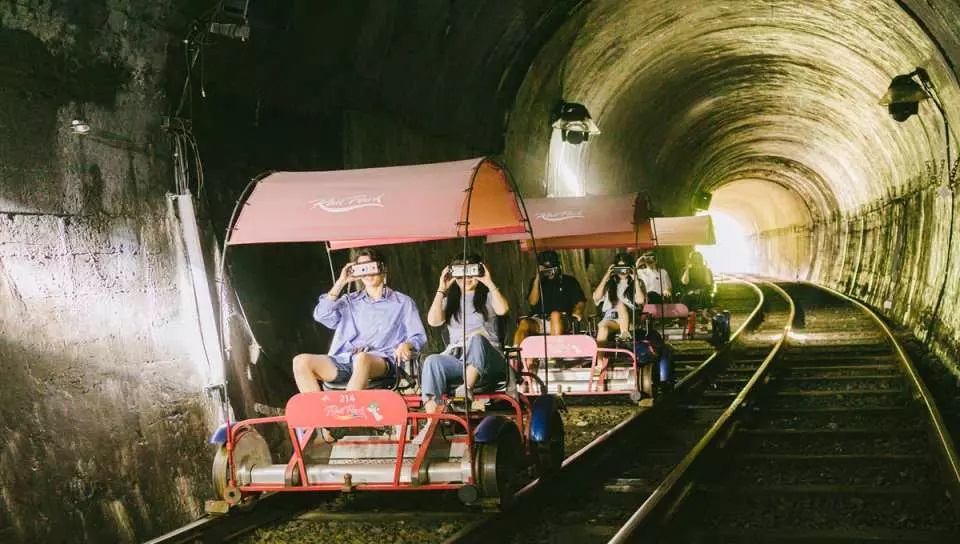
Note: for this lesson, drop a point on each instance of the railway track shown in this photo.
(592, 507)
(839, 442)
(422, 517)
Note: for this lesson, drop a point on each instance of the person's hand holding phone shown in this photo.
(341, 282)
(485, 278)
(446, 279)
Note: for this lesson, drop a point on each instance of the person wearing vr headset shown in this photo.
(468, 300)
(374, 328)
(656, 280)
(561, 295)
(619, 292)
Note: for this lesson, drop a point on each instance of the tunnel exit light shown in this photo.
(733, 251)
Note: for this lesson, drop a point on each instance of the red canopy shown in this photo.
(375, 206)
(658, 231)
(578, 216)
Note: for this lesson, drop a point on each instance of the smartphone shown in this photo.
(473, 270)
(622, 270)
(370, 268)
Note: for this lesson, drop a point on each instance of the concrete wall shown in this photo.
(101, 411)
(892, 254)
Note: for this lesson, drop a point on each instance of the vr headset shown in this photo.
(469, 270)
(370, 268)
(622, 269)
(547, 271)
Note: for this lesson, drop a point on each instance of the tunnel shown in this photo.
(121, 120)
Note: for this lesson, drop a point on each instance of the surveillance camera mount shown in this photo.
(574, 122)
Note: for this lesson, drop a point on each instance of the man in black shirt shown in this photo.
(561, 295)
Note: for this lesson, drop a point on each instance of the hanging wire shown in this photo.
(194, 43)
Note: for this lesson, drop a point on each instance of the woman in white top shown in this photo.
(619, 292)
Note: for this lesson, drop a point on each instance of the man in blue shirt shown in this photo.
(374, 328)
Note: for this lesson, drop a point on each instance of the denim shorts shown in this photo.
(344, 364)
(610, 315)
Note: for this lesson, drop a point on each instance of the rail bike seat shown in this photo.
(403, 376)
(570, 324)
(674, 310)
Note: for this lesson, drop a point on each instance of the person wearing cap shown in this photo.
(656, 280)
(561, 294)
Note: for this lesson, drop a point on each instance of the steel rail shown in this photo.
(218, 528)
(697, 373)
(492, 526)
(676, 485)
(946, 446)
(275, 506)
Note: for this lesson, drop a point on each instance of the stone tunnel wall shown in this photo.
(101, 407)
(891, 254)
(101, 402)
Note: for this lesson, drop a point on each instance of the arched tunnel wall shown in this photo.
(774, 108)
(769, 105)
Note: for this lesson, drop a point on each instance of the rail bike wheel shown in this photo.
(249, 450)
(499, 465)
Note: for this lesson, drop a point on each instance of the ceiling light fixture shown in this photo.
(574, 122)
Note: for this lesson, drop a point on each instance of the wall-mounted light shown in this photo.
(902, 100)
(905, 93)
(574, 122)
(78, 126)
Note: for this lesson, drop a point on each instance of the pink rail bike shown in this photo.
(676, 320)
(379, 454)
(577, 371)
(604, 222)
(484, 454)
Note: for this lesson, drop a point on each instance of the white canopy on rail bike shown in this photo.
(484, 455)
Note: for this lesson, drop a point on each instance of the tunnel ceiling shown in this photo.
(775, 99)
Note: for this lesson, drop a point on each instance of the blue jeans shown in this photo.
(443, 373)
